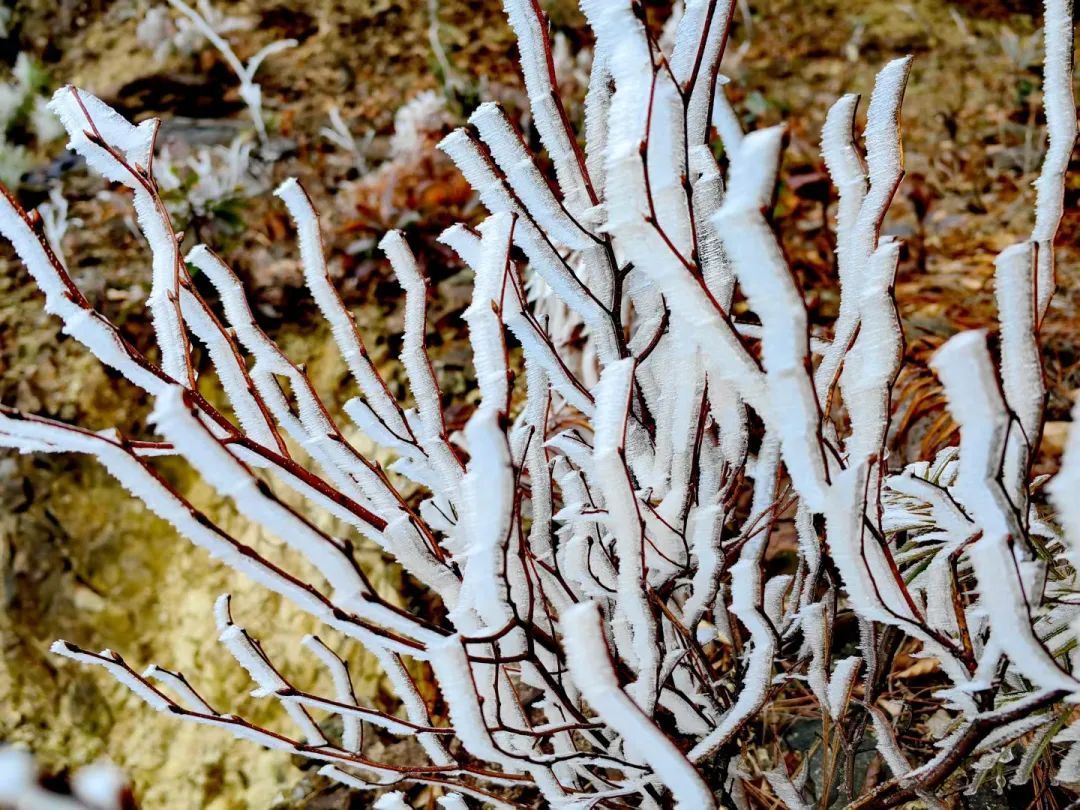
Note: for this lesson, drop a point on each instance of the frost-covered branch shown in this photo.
(603, 621)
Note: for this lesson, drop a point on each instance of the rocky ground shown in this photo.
(82, 561)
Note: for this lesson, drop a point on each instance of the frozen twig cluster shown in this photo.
(159, 32)
(596, 535)
(203, 22)
(22, 105)
(210, 179)
(100, 786)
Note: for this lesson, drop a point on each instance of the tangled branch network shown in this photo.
(604, 632)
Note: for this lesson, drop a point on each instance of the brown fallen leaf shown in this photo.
(922, 666)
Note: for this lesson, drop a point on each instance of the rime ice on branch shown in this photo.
(597, 535)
